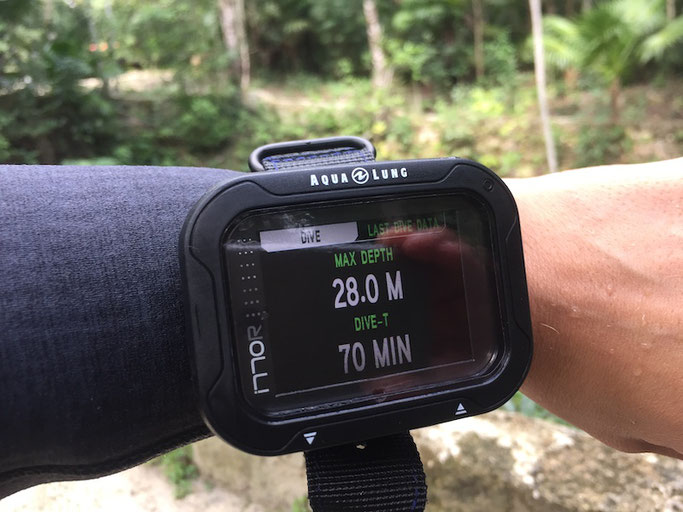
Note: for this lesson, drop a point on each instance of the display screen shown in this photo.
(338, 304)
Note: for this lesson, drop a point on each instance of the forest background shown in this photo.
(202, 82)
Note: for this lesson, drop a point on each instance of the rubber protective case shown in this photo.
(208, 313)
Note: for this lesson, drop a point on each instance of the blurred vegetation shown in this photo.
(301, 505)
(132, 82)
(180, 470)
(525, 405)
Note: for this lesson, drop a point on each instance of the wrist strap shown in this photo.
(379, 475)
(303, 154)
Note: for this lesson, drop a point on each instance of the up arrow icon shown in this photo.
(310, 437)
(460, 410)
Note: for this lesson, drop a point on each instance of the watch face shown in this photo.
(361, 302)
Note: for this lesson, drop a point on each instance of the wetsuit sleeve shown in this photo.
(94, 369)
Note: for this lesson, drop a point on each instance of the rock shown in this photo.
(505, 461)
(497, 462)
(268, 483)
(141, 489)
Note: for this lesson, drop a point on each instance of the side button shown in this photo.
(310, 437)
(461, 408)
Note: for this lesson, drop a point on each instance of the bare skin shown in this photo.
(604, 257)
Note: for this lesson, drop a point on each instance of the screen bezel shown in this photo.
(352, 403)
(209, 319)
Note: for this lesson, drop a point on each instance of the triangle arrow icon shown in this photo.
(310, 437)
(460, 410)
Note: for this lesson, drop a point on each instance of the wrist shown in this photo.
(602, 255)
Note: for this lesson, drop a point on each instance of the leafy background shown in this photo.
(133, 82)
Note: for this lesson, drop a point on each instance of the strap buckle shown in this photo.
(307, 146)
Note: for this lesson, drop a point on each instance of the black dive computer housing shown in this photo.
(335, 304)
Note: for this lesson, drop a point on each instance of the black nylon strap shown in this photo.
(303, 154)
(306, 159)
(380, 475)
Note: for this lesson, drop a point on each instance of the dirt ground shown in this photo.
(140, 489)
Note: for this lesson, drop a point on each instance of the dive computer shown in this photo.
(333, 298)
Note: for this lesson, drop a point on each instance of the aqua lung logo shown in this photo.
(360, 175)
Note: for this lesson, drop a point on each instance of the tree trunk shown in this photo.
(381, 72)
(539, 68)
(48, 11)
(228, 26)
(233, 25)
(95, 38)
(478, 30)
(245, 61)
(109, 16)
(670, 9)
(615, 103)
(586, 5)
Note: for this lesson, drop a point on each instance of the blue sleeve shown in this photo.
(94, 371)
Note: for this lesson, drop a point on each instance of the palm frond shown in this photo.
(655, 45)
(642, 16)
(562, 42)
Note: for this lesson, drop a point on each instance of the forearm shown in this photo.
(604, 259)
(94, 369)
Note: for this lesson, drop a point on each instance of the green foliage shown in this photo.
(601, 144)
(351, 107)
(301, 505)
(608, 44)
(561, 41)
(611, 42)
(46, 115)
(204, 123)
(658, 43)
(424, 45)
(5, 143)
(500, 58)
(179, 468)
(166, 34)
(177, 129)
(613, 39)
(60, 101)
(430, 42)
(525, 405)
(326, 37)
